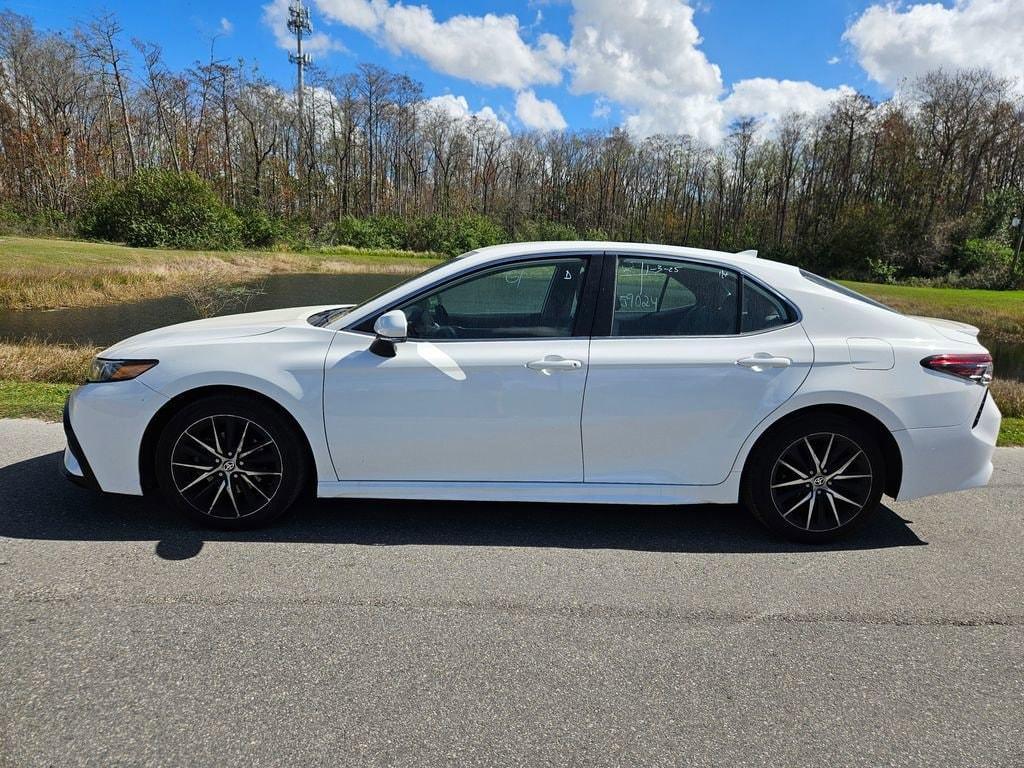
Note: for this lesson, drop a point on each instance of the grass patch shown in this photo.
(1009, 396)
(32, 400)
(40, 273)
(1011, 433)
(38, 361)
(998, 314)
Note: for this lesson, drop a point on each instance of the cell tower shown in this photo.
(298, 23)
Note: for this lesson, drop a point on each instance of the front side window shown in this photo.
(662, 297)
(537, 299)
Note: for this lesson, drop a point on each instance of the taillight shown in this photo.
(977, 368)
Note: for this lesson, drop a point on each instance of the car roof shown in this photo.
(548, 247)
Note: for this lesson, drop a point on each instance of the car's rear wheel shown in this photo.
(230, 462)
(815, 478)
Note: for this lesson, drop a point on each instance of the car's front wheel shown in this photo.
(230, 462)
(815, 478)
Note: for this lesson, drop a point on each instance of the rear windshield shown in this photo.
(848, 292)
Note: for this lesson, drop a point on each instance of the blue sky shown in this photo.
(653, 65)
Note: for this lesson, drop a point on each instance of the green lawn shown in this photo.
(999, 314)
(21, 400)
(1012, 432)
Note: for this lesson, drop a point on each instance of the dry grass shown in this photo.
(85, 287)
(38, 361)
(1009, 396)
(45, 274)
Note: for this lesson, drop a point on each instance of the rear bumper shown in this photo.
(943, 459)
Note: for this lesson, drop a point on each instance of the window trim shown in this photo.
(606, 301)
(582, 325)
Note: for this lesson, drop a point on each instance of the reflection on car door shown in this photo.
(489, 386)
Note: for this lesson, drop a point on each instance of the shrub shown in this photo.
(455, 235)
(208, 297)
(258, 230)
(382, 232)
(992, 220)
(42, 221)
(857, 239)
(882, 271)
(536, 230)
(159, 208)
(980, 253)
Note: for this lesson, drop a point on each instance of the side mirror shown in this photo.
(391, 328)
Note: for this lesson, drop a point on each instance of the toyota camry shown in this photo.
(608, 373)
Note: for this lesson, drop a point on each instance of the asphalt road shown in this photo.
(421, 634)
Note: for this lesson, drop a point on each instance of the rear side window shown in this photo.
(664, 297)
(762, 310)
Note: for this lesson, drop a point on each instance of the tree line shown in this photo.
(921, 185)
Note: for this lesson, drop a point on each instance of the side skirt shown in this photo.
(557, 493)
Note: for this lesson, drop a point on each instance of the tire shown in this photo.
(230, 462)
(787, 491)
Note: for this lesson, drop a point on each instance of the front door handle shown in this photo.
(763, 361)
(554, 363)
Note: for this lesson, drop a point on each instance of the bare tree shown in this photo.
(99, 40)
(893, 181)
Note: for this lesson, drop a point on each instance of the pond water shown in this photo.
(102, 326)
(1009, 359)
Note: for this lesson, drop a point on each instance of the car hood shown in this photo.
(215, 328)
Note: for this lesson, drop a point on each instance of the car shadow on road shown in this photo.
(36, 503)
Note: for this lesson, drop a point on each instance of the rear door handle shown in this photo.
(763, 361)
(549, 364)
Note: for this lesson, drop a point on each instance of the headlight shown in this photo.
(117, 370)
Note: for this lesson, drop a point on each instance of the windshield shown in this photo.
(397, 285)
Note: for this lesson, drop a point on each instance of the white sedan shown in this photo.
(596, 372)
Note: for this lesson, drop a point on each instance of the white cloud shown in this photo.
(642, 58)
(275, 16)
(770, 100)
(458, 107)
(538, 114)
(645, 56)
(833, 60)
(225, 26)
(486, 49)
(895, 41)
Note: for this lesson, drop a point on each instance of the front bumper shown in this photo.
(76, 466)
(104, 425)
